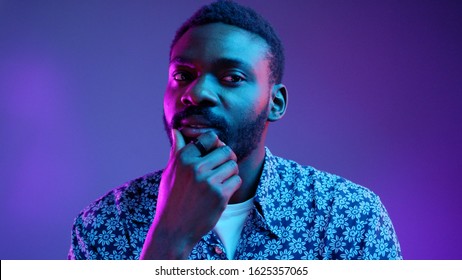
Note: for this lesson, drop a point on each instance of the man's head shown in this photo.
(231, 13)
(221, 79)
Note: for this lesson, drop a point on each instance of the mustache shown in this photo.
(217, 121)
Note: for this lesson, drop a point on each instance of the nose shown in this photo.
(201, 92)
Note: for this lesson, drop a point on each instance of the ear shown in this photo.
(278, 102)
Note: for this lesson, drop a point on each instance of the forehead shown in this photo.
(218, 41)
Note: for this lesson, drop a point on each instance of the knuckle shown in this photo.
(238, 179)
(209, 138)
(210, 181)
(197, 167)
(215, 140)
(231, 154)
(184, 158)
(234, 166)
(226, 151)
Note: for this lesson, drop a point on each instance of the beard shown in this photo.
(242, 137)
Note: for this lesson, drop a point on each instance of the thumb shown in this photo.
(178, 141)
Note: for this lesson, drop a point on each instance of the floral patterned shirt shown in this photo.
(298, 213)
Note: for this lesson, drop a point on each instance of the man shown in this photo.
(223, 195)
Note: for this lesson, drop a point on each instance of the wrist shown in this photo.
(162, 245)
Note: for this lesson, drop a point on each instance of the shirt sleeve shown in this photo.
(98, 234)
(380, 239)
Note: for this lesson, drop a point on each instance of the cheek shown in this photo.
(261, 102)
(257, 98)
(263, 90)
(251, 108)
(169, 106)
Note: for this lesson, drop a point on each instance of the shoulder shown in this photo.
(337, 189)
(323, 190)
(323, 183)
(100, 231)
(347, 217)
(136, 194)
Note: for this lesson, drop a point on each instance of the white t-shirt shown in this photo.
(231, 223)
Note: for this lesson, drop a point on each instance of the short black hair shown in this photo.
(229, 12)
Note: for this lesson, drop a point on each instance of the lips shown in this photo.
(193, 126)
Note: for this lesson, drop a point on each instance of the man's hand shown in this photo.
(193, 192)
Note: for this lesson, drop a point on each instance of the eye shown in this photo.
(181, 76)
(233, 78)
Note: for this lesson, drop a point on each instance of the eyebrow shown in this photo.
(180, 60)
(219, 63)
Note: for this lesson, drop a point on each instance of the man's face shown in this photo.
(219, 80)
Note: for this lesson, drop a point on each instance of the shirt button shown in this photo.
(218, 250)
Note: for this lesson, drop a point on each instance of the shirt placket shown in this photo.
(214, 246)
(255, 223)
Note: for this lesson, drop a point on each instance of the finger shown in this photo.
(208, 140)
(218, 157)
(221, 143)
(178, 140)
(224, 172)
(231, 185)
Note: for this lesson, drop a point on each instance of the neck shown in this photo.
(250, 170)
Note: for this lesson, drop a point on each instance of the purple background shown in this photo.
(375, 96)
